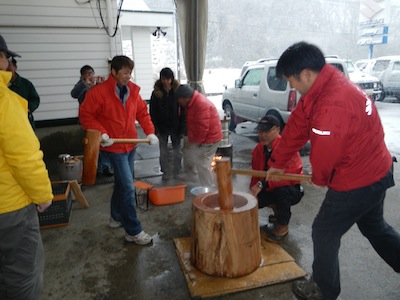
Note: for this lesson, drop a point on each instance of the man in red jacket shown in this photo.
(204, 131)
(280, 195)
(112, 107)
(348, 155)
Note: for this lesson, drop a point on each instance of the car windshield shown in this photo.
(381, 65)
(361, 66)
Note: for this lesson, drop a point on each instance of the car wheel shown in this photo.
(382, 96)
(231, 114)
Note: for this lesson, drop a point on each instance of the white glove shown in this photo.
(153, 139)
(105, 140)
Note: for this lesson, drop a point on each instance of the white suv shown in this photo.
(387, 69)
(370, 84)
(257, 93)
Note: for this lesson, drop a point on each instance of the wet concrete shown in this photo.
(89, 260)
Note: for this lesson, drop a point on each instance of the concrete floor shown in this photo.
(89, 260)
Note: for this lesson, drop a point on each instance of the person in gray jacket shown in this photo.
(86, 81)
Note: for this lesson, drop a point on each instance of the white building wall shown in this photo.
(55, 39)
(141, 52)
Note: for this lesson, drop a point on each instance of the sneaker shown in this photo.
(114, 224)
(141, 239)
(307, 289)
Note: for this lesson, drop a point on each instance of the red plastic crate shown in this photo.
(167, 195)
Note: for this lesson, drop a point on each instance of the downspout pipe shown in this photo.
(196, 42)
(110, 25)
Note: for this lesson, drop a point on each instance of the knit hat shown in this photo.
(4, 48)
(183, 91)
(267, 122)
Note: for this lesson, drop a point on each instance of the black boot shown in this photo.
(278, 234)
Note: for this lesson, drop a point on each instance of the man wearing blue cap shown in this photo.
(279, 195)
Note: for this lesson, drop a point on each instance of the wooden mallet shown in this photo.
(285, 176)
(91, 153)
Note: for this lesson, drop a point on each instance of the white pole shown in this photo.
(111, 22)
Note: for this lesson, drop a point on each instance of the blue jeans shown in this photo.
(103, 161)
(338, 213)
(123, 198)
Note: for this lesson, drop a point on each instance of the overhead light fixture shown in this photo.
(158, 31)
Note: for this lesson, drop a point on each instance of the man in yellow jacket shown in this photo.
(25, 188)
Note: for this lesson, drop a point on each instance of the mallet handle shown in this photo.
(130, 141)
(286, 176)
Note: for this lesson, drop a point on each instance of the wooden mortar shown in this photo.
(225, 232)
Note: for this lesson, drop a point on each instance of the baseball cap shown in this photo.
(4, 48)
(267, 122)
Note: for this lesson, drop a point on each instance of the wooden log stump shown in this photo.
(225, 232)
(90, 156)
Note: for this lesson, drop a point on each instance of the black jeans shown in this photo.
(283, 197)
(338, 213)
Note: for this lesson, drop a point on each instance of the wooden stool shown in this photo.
(142, 191)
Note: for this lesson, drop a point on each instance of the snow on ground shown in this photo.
(215, 80)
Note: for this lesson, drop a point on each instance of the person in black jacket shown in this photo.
(169, 121)
(24, 88)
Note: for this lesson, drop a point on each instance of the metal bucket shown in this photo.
(225, 131)
(64, 158)
(70, 170)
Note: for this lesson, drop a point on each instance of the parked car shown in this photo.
(334, 60)
(259, 92)
(365, 65)
(370, 84)
(387, 70)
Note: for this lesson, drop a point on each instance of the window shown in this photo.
(253, 77)
(338, 66)
(381, 65)
(275, 83)
(396, 66)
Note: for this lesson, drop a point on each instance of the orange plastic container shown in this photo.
(167, 195)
